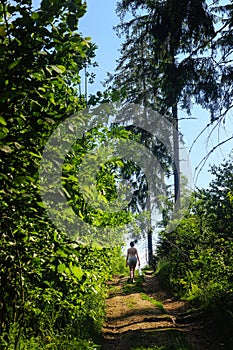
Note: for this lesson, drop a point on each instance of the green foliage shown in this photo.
(59, 287)
(103, 202)
(52, 289)
(40, 62)
(119, 267)
(195, 259)
(51, 341)
(163, 271)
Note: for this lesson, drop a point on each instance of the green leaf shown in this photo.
(3, 121)
(61, 253)
(61, 268)
(58, 68)
(73, 178)
(3, 132)
(77, 271)
(35, 155)
(35, 15)
(14, 64)
(40, 204)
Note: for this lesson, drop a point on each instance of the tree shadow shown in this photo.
(146, 326)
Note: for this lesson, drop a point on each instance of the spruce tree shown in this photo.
(167, 60)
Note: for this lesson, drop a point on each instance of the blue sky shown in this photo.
(98, 23)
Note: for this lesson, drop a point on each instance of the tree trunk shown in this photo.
(176, 160)
(150, 247)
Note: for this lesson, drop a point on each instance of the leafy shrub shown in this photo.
(196, 259)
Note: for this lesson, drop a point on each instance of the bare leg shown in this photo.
(131, 273)
(132, 268)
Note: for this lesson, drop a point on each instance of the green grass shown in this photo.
(158, 304)
(114, 290)
(136, 287)
(131, 303)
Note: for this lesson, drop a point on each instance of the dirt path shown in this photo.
(134, 321)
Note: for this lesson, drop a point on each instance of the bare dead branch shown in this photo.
(204, 159)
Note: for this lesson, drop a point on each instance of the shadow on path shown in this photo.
(133, 321)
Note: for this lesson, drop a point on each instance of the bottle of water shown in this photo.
(140, 271)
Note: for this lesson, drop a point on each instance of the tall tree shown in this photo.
(165, 60)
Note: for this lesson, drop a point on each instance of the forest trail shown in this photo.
(134, 320)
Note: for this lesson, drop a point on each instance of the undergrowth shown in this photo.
(58, 342)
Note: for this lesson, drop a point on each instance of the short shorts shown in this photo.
(132, 261)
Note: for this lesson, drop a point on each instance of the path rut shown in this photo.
(132, 322)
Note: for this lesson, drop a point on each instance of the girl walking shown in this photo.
(132, 259)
